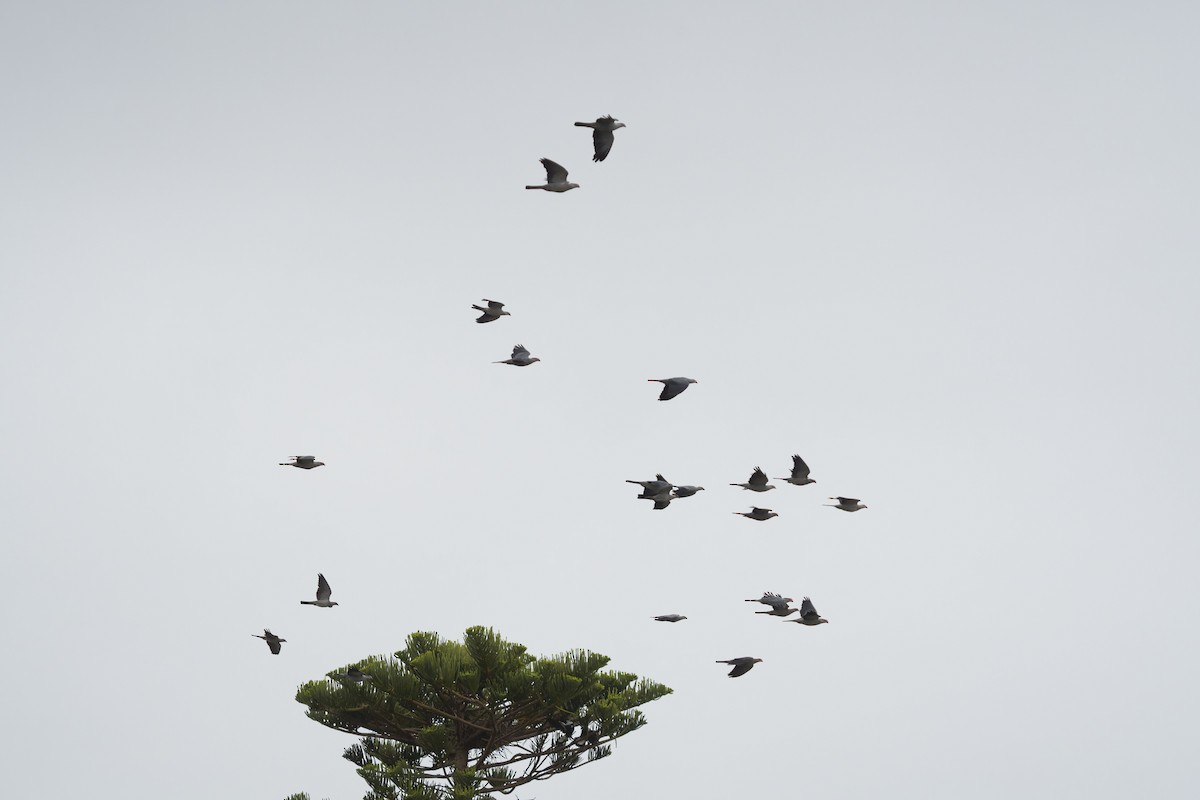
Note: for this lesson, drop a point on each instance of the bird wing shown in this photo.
(740, 669)
(848, 501)
(323, 590)
(661, 502)
(774, 600)
(520, 352)
(305, 459)
(756, 510)
(807, 609)
(758, 477)
(799, 468)
(493, 305)
(671, 389)
(602, 142)
(555, 173)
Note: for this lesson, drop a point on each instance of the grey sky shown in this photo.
(945, 251)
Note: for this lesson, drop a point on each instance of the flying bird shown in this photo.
(520, 357)
(772, 599)
(808, 614)
(757, 482)
(672, 387)
(654, 488)
(687, 491)
(670, 618)
(323, 593)
(846, 504)
(740, 665)
(556, 178)
(494, 311)
(760, 514)
(303, 462)
(602, 135)
(273, 641)
(354, 675)
(799, 475)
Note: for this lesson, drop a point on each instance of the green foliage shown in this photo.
(447, 720)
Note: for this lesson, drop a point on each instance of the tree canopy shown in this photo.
(448, 720)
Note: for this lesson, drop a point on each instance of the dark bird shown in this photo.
(323, 593)
(757, 482)
(846, 504)
(672, 387)
(756, 513)
(493, 312)
(740, 665)
(772, 599)
(273, 641)
(808, 614)
(654, 488)
(602, 135)
(303, 462)
(670, 618)
(799, 476)
(520, 357)
(354, 675)
(556, 178)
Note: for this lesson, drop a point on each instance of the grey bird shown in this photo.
(772, 599)
(757, 482)
(602, 135)
(760, 514)
(740, 665)
(687, 491)
(494, 311)
(779, 611)
(556, 178)
(273, 641)
(846, 504)
(520, 357)
(323, 593)
(654, 488)
(672, 387)
(808, 614)
(799, 476)
(354, 675)
(303, 462)
(670, 618)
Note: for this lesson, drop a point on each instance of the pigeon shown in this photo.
(323, 593)
(846, 504)
(493, 312)
(757, 482)
(808, 614)
(779, 611)
(760, 514)
(520, 357)
(740, 665)
(303, 462)
(687, 491)
(671, 386)
(556, 178)
(602, 135)
(670, 618)
(652, 489)
(772, 599)
(354, 674)
(799, 476)
(272, 641)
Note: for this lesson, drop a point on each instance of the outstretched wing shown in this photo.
(520, 352)
(323, 590)
(740, 669)
(671, 389)
(602, 141)
(758, 477)
(807, 610)
(493, 305)
(555, 173)
(799, 468)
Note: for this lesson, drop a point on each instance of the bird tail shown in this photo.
(533, 187)
(479, 308)
(585, 125)
(308, 602)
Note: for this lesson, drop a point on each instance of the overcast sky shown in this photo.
(946, 251)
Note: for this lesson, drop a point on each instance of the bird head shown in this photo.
(618, 125)
(533, 360)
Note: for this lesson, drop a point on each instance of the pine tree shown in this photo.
(447, 720)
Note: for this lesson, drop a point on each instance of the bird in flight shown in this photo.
(520, 357)
(494, 311)
(799, 476)
(670, 618)
(556, 178)
(687, 491)
(672, 387)
(808, 614)
(303, 462)
(757, 482)
(323, 593)
(778, 603)
(740, 665)
(354, 675)
(273, 641)
(846, 504)
(756, 513)
(602, 135)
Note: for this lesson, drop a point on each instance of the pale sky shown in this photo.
(945, 251)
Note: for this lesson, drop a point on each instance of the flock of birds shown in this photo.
(660, 491)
